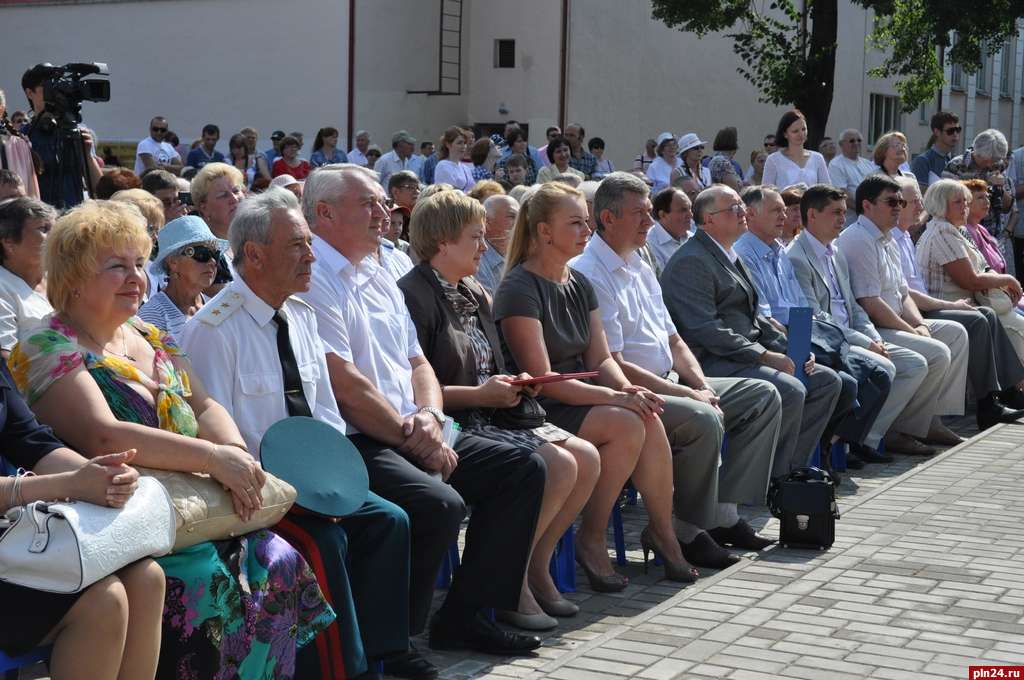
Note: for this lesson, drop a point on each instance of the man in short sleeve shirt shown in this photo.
(391, 401)
(361, 560)
(698, 410)
(878, 284)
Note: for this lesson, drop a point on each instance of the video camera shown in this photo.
(66, 87)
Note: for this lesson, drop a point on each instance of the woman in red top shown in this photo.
(289, 163)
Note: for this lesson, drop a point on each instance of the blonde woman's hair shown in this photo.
(148, 204)
(442, 218)
(940, 193)
(205, 177)
(74, 244)
(884, 142)
(535, 208)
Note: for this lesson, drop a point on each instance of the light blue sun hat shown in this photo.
(181, 232)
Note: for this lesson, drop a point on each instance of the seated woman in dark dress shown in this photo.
(453, 321)
(112, 628)
(550, 323)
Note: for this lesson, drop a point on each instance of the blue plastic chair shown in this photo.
(563, 563)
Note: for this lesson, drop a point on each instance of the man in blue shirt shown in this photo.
(207, 151)
(779, 290)
(274, 152)
(928, 166)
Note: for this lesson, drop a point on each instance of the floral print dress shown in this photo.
(234, 609)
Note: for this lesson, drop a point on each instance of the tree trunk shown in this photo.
(815, 100)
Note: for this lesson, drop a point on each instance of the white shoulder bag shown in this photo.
(65, 547)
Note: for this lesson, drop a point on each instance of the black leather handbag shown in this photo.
(804, 501)
(525, 415)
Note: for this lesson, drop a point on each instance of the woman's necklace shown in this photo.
(104, 348)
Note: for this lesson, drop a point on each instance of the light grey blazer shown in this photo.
(813, 282)
(713, 304)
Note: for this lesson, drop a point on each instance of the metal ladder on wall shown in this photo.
(449, 50)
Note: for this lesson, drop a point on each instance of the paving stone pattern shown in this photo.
(924, 580)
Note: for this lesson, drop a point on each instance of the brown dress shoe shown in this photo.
(940, 435)
(897, 442)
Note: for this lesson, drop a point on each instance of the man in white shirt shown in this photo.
(848, 169)
(358, 154)
(673, 225)
(878, 284)
(257, 351)
(399, 158)
(154, 152)
(391, 401)
(698, 410)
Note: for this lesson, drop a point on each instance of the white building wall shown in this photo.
(229, 62)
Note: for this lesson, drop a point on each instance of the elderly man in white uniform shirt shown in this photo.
(257, 350)
(878, 284)
(697, 409)
(673, 225)
(391, 400)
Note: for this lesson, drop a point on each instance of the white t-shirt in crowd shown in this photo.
(162, 152)
(459, 175)
(781, 172)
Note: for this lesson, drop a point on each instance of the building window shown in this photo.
(884, 115)
(983, 78)
(956, 76)
(504, 53)
(1006, 74)
(922, 114)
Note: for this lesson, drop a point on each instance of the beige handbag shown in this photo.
(996, 298)
(205, 511)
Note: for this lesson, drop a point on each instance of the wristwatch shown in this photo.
(434, 411)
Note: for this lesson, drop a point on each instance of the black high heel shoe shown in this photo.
(680, 573)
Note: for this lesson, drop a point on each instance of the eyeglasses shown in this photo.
(854, 140)
(894, 202)
(736, 209)
(201, 254)
(952, 130)
(408, 187)
(158, 129)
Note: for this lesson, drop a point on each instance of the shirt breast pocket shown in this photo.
(260, 385)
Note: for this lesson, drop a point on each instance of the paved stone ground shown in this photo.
(923, 581)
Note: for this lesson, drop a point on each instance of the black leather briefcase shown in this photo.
(804, 501)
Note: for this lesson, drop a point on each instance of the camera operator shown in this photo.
(57, 186)
(986, 159)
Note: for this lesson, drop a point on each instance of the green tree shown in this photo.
(788, 50)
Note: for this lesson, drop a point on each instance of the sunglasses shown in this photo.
(201, 254)
(953, 130)
(158, 129)
(894, 202)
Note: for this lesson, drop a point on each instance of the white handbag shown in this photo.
(64, 547)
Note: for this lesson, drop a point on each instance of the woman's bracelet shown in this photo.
(209, 458)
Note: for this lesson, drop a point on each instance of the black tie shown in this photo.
(294, 397)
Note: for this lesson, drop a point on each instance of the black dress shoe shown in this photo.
(853, 462)
(870, 455)
(702, 551)
(411, 664)
(992, 411)
(1011, 397)
(740, 535)
(479, 633)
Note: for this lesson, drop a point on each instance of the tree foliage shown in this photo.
(788, 51)
(910, 31)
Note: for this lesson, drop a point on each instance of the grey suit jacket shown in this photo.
(713, 304)
(813, 282)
